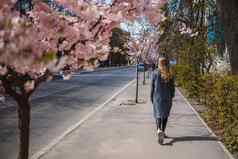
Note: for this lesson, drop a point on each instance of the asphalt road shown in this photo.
(59, 104)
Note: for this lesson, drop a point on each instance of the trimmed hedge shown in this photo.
(220, 95)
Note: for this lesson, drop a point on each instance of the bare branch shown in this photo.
(97, 23)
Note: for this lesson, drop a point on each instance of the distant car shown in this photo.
(172, 62)
(2, 99)
(58, 76)
(141, 67)
(2, 95)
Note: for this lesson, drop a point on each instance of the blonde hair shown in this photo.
(164, 69)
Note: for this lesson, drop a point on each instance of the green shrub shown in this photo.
(219, 94)
(182, 75)
(225, 94)
(188, 79)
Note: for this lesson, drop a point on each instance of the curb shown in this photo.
(207, 127)
(68, 131)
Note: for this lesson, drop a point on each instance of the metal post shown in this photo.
(148, 73)
(144, 75)
(137, 79)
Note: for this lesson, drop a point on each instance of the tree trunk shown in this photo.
(24, 109)
(228, 12)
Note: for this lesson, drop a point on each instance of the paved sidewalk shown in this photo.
(122, 130)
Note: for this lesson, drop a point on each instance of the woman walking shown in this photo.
(162, 93)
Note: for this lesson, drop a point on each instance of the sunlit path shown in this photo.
(124, 131)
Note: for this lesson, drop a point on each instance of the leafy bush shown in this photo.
(219, 94)
(225, 94)
(188, 79)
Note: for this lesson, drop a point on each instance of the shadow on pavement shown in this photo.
(189, 138)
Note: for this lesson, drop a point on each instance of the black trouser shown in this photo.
(161, 123)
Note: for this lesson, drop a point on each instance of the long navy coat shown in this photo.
(161, 95)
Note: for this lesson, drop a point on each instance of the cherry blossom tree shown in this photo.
(38, 43)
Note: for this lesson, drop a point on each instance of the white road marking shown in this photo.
(208, 128)
(53, 143)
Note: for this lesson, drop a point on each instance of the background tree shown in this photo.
(183, 35)
(193, 14)
(229, 19)
(119, 47)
